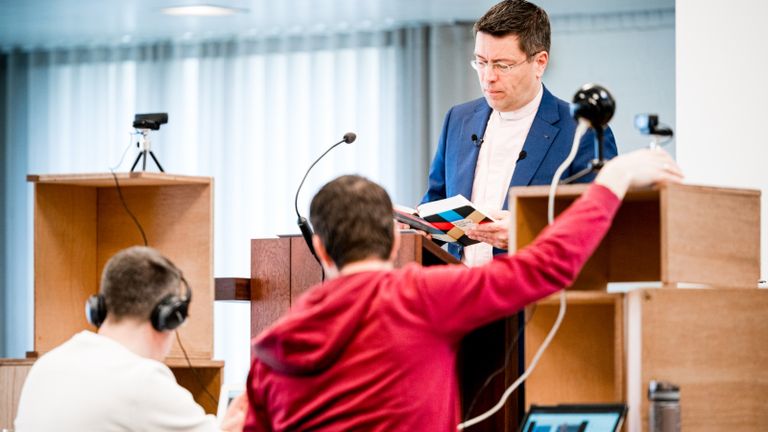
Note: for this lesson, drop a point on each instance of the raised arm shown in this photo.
(457, 299)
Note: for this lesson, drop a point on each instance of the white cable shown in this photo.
(130, 142)
(581, 129)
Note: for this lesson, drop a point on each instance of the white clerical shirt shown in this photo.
(504, 138)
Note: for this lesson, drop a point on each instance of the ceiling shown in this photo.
(31, 24)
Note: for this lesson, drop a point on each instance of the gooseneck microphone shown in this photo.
(306, 230)
(595, 105)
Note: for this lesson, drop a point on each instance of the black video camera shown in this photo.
(648, 124)
(150, 121)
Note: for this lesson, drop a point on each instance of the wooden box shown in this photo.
(80, 223)
(710, 342)
(585, 361)
(13, 372)
(207, 376)
(672, 233)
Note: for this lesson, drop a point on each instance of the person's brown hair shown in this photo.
(135, 280)
(353, 218)
(525, 20)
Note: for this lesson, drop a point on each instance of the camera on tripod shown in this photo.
(150, 121)
(648, 124)
(143, 123)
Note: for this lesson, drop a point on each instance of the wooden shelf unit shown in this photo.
(671, 233)
(708, 340)
(80, 222)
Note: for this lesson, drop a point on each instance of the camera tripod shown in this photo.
(146, 149)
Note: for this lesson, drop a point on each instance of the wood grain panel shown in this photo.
(127, 179)
(584, 362)
(270, 281)
(178, 222)
(711, 342)
(233, 289)
(66, 270)
(209, 377)
(305, 270)
(12, 375)
(711, 235)
(410, 249)
(634, 242)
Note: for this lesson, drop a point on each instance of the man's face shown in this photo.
(520, 84)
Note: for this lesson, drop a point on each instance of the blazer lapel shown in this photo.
(468, 151)
(539, 139)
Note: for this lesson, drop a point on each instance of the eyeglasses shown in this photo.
(501, 68)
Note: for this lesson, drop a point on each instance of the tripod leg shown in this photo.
(136, 162)
(155, 159)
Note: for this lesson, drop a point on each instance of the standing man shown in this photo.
(516, 135)
(115, 380)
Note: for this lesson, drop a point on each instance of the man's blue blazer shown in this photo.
(547, 145)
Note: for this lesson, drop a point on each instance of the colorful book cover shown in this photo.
(445, 219)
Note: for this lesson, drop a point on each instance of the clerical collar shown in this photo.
(524, 111)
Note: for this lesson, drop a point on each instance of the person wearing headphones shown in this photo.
(115, 379)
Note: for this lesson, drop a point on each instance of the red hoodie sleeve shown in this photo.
(257, 418)
(457, 299)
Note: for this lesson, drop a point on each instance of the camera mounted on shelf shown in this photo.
(648, 124)
(143, 123)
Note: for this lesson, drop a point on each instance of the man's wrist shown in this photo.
(615, 179)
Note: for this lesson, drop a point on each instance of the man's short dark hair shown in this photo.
(525, 20)
(353, 218)
(135, 280)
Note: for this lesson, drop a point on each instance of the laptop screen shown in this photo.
(574, 418)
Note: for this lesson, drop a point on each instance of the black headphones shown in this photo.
(168, 314)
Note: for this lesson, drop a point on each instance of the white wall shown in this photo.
(722, 90)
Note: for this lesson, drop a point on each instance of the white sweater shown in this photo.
(93, 383)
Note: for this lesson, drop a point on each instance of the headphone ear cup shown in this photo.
(170, 313)
(96, 310)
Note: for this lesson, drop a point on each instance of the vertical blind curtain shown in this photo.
(252, 113)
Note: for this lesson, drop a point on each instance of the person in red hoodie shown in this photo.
(374, 348)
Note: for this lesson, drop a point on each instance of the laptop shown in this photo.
(574, 418)
(228, 393)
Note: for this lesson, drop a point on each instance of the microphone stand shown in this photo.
(302, 222)
(595, 165)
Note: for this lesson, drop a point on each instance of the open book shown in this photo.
(444, 219)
